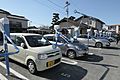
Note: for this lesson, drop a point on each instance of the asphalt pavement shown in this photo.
(103, 65)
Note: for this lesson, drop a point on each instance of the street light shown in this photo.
(67, 10)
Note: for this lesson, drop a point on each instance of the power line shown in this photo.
(56, 4)
(41, 3)
(37, 1)
(75, 5)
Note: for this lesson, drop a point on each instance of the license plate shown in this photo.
(50, 63)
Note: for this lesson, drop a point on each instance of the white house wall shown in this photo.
(99, 25)
(93, 23)
(117, 29)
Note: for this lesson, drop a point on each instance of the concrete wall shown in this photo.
(65, 24)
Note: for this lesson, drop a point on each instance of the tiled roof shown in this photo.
(9, 15)
(4, 12)
(17, 17)
(91, 18)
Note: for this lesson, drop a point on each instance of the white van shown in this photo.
(35, 52)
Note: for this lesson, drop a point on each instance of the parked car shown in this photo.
(1, 39)
(111, 39)
(69, 48)
(35, 52)
(93, 41)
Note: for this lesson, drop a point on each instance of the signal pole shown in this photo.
(67, 10)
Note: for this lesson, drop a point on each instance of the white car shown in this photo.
(92, 41)
(35, 52)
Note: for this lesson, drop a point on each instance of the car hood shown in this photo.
(45, 49)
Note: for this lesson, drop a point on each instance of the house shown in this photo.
(88, 22)
(81, 24)
(68, 24)
(17, 23)
(40, 30)
(115, 29)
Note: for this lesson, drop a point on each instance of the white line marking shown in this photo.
(90, 53)
(95, 48)
(68, 61)
(2, 77)
(14, 72)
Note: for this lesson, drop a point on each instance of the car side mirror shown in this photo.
(23, 46)
(71, 39)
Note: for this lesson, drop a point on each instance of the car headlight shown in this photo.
(42, 56)
(78, 48)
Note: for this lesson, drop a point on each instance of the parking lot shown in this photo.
(103, 65)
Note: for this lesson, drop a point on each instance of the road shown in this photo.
(103, 65)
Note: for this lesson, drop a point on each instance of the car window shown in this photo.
(1, 38)
(61, 40)
(19, 40)
(50, 38)
(13, 38)
(36, 41)
(82, 36)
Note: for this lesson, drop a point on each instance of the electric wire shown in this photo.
(77, 8)
(56, 4)
(49, 7)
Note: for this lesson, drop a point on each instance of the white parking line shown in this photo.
(2, 77)
(95, 48)
(14, 72)
(69, 61)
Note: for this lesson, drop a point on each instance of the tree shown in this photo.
(55, 18)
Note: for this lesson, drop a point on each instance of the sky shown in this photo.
(40, 12)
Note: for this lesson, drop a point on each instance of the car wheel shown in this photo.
(71, 54)
(98, 45)
(31, 67)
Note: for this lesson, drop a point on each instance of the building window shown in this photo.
(15, 26)
(90, 22)
(119, 28)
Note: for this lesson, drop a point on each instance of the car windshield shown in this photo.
(65, 39)
(36, 41)
(71, 40)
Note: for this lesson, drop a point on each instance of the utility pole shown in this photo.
(88, 31)
(67, 10)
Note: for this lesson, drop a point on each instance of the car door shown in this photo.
(83, 39)
(90, 41)
(20, 57)
(64, 46)
(22, 53)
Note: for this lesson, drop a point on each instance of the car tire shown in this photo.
(31, 67)
(71, 54)
(98, 45)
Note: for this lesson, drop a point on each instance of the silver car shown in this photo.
(92, 41)
(69, 48)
